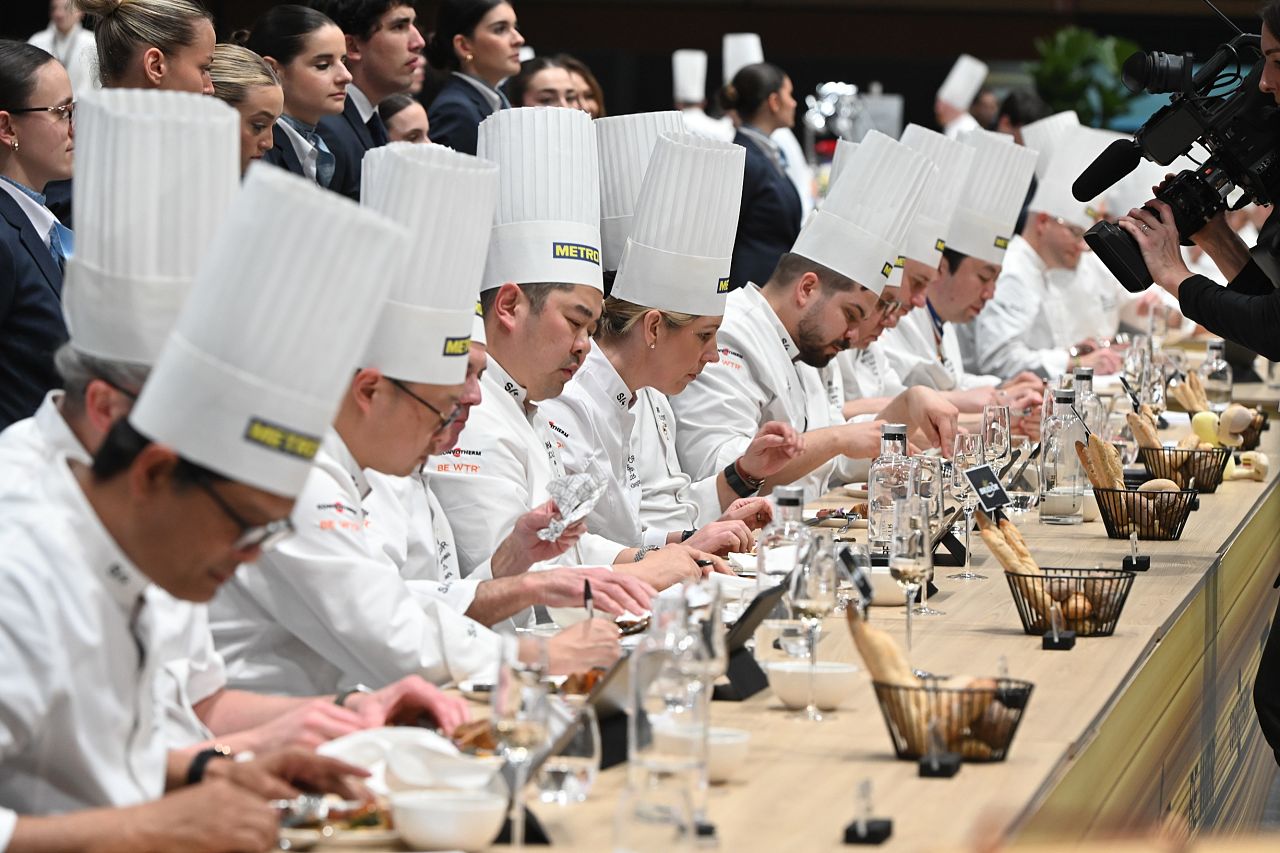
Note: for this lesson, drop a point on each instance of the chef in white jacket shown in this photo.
(1025, 326)
(72, 45)
(201, 476)
(329, 610)
(541, 297)
(657, 332)
(775, 339)
(689, 78)
(956, 286)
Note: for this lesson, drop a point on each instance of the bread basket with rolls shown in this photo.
(974, 717)
(1158, 509)
(1181, 465)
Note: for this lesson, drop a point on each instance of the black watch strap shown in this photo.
(741, 487)
(195, 771)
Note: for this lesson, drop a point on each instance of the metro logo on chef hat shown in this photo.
(862, 225)
(681, 247)
(252, 373)
(738, 51)
(1042, 136)
(689, 76)
(992, 198)
(547, 224)
(1075, 150)
(156, 172)
(927, 236)
(446, 201)
(626, 145)
(964, 82)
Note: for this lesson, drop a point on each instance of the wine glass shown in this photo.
(813, 598)
(567, 776)
(520, 729)
(1021, 487)
(910, 562)
(967, 454)
(995, 435)
(847, 593)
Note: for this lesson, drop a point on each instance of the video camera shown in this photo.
(1237, 125)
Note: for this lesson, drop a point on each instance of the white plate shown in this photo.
(743, 564)
(476, 690)
(811, 514)
(361, 839)
(855, 490)
(301, 839)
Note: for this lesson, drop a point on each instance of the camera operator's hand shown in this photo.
(1157, 237)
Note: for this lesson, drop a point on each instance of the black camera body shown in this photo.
(1239, 127)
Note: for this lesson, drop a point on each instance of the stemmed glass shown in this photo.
(813, 598)
(967, 454)
(1021, 488)
(520, 727)
(995, 435)
(929, 486)
(910, 561)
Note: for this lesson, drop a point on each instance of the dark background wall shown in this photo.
(908, 45)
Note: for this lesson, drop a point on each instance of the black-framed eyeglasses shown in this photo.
(263, 537)
(61, 112)
(446, 421)
(888, 306)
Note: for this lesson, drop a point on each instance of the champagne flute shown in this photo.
(813, 598)
(520, 728)
(909, 558)
(995, 435)
(967, 454)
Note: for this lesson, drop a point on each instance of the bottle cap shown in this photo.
(1085, 372)
(789, 495)
(893, 431)
(1064, 395)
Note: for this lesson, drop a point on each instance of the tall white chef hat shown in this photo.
(547, 224)
(626, 144)
(1043, 135)
(927, 236)
(681, 248)
(860, 229)
(446, 200)
(155, 175)
(527, 52)
(738, 51)
(963, 82)
(992, 198)
(689, 76)
(840, 159)
(252, 373)
(1134, 189)
(1075, 150)
(477, 326)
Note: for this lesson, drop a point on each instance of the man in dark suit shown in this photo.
(383, 49)
(771, 211)
(31, 324)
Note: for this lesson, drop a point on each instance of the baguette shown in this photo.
(1143, 432)
(1086, 462)
(880, 653)
(1019, 545)
(1107, 459)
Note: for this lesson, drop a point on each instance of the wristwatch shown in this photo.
(640, 553)
(741, 485)
(341, 698)
(195, 770)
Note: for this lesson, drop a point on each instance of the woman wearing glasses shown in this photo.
(37, 138)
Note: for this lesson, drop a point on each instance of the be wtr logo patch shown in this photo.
(722, 286)
(1002, 242)
(457, 346)
(281, 439)
(575, 252)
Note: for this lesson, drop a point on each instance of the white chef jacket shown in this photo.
(1019, 328)
(79, 712)
(78, 53)
(960, 125)
(327, 608)
(919, 358)
(756, 380)
(669, 498)
(190, 668)
(416, 535)
(499, 470)
(697, 121)
(867, 373)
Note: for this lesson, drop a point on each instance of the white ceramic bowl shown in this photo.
(832, 683)
(448, 820)
(1090, 507)
(727, 753)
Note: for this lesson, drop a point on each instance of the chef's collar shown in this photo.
(124, 581)
(604, 376)
(788, 343)
(513, 389)
(1032, 256)
(333, 444)
(57, 435)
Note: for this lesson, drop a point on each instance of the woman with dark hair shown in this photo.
(477, 41)
(36, 141)
(406, 119)
(153, 44)
(306, 51)
(771, 214)
(590, 95)
(243, 80)
(543, 81)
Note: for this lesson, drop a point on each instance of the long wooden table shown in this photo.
(1151, 727)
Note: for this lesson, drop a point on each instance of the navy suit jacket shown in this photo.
(31, 324)
(769, 221)
(348, 138)
(282, 153)
(455, 115)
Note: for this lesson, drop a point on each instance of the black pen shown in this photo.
(702, 564)
(587, 601)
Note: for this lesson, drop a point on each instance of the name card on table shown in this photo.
(986, 485)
